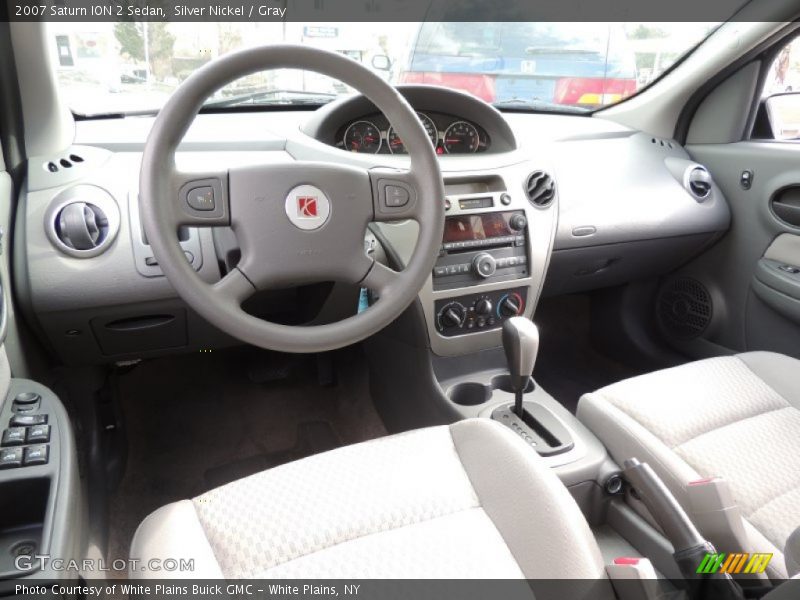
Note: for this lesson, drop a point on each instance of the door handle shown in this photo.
(785, 205)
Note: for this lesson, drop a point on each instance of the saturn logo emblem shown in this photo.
(307, 207)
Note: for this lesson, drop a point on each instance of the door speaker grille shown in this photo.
(684, 308)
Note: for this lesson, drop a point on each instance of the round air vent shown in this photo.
(684, 308)
(698, 182)
(540, 189)
(81, 226)
(82, 221)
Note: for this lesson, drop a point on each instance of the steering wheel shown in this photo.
(296, 222)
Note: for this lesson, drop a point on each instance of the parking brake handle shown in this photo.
(689, 545)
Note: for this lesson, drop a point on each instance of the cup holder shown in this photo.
(470, 393)
(503, 382)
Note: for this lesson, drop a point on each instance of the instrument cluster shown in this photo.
(373, 134)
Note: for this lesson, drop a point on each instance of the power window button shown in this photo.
(10, 458)
(27, 420)
(36, 455)
(15, 436)
(38, 434)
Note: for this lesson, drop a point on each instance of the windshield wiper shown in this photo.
(274, 97)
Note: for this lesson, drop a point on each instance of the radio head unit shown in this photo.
(482, 246)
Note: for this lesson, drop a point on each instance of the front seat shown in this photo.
(735, 417)
(469, 500)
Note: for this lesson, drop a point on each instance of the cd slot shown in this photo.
(470, 245)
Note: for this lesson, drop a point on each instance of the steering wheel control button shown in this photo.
(10, 458)
(13, 437)
(38, 434)
(201, 198)
(36, 455)
(27, 420)
(307, 207)
(396, 196)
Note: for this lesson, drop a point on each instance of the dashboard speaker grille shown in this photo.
(540, 188)
(684, 308)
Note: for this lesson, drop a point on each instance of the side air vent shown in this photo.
(540, 189)
(82, 221)
(81, 226)
(684, 308)
(698, 183)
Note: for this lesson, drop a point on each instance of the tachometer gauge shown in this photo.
(362, 136)
(461, 138)
(396, 144)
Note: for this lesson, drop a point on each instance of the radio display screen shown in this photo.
(477, 227)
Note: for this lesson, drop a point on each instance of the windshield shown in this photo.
(129, 67)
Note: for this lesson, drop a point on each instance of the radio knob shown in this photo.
(452, 315)
(517, 222)
(510, 306)
(483, 306)
(484, 265)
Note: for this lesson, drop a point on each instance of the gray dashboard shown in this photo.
(624, 209)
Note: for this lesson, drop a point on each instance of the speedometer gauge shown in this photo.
(396, 144)
(362, 136)
(461, 138)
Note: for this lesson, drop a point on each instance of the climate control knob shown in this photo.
(510, 306)
(483, 307)
(484, 265)
(518, 222)
(452, 315)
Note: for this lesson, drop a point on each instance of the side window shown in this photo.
(781, 93)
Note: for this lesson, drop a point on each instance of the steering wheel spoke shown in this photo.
(395, 194)
(235, 287)
(379, 278)
(200, 198)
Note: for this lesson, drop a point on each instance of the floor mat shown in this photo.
(568, 365)
(198, 421)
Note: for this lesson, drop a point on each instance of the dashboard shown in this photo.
(373, 134)
(541, 204)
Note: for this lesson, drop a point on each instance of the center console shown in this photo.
(496, 244)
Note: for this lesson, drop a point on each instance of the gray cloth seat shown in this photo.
(736, 417)
(470, 500)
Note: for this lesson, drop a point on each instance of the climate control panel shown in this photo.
(478, 312)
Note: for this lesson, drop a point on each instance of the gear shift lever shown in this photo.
(521, 344)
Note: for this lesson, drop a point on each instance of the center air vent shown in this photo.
(698, 182)
(540, 189)
(82, 221)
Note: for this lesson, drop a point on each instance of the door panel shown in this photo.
(749, 271)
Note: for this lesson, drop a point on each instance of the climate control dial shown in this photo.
(452, 315)
(510, 305)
